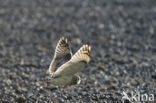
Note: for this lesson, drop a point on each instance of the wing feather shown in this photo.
(76, 63)
(62, 50)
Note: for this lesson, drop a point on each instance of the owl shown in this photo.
(67, 73)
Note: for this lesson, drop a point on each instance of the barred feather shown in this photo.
(83, 54)
(61, 51)
(62, 48)
(66, 73)
(76, 63)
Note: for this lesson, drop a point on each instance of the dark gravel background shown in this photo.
(122, 34)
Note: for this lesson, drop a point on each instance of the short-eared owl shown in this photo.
(66, 74)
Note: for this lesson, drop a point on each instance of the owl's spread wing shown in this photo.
(76, 63)
(62, 51)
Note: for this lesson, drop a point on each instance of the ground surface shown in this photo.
(121, 32)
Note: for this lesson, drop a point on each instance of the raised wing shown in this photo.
(82, 55)
(76, 63)
(62, 51)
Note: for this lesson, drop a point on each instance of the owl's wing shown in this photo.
(76, 63)
(62, 51)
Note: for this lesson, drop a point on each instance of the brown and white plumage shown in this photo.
(66, 73)
(62, 51)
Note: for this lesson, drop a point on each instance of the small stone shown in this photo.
(102, 67)
(20, 100)
(24, 89)
(101, 26)
(154, 76)
(30, 94)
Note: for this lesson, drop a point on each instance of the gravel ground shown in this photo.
(121, 33)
